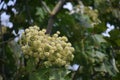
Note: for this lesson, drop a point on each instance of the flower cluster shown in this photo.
(50, 50)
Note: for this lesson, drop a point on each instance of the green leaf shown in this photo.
(117, 42)
(98, 38)
(58, 74)
(41, 13)
(40, 74)
(30, 67)
(35, 76)
(109, 68)
(98, 29)
(115, 34)
(17, 52)
(114, 65)
(99, 56)
(83, 20)
(101, 68)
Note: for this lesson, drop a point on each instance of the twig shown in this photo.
(3, 42)
(53, 14)
(45, 6)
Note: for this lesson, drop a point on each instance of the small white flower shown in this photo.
(1, 5)
(5, 20)
(109, 28)
(18, 35)
(74, 67)
(14, 11)
(5, 6)
(10, 24)
(20, 32)
(11, 3)
(68, 6)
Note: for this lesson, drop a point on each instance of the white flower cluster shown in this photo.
(51, 50)
(5, 20)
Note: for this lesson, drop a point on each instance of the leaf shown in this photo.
(17, 52)
(115, 34)
(83, 20)
(15, 48)
(100, 56)
(35, 76)
(98, 38)
(114, 65)
(41, 13)
(117, 42)
(58, 74)
(98, 29)
(40, 74)
(30, 67)
(101, 68)
(109, 68)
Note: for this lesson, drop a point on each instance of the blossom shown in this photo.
(5, 20)
(52, 50)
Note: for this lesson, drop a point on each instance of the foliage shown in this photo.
(97, 56)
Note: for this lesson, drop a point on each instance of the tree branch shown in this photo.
(53, 14)
(45, 6)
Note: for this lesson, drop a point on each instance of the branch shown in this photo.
(4, 42)
(45, 6)
(53, 14)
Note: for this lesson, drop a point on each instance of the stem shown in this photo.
(53, 14)
(45, 6)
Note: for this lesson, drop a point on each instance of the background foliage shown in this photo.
(97, 56)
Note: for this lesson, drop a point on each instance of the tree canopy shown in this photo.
(59, 39)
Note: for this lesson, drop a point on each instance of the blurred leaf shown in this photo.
(101, 68)
(1, 78)
(109, 69)
(15, 48)
(35, 76)
(115, 34)
(100, 56)
(116, 13)
(98, 38)
(83, 20)
(114, 65)
(58, 74)
(41, 12)
(117, 42)
(42, 74)
(98, 29)
(30, 67)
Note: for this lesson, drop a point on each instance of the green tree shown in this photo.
(96, 57)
